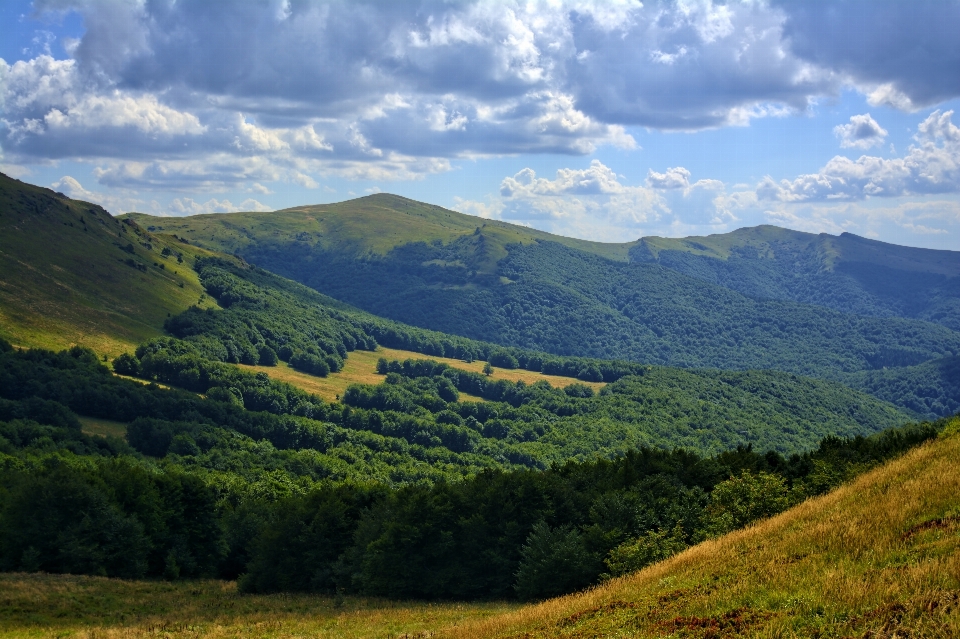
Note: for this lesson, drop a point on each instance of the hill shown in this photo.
(876, 558)
(70, 273)
(512, 286)
(847, 273)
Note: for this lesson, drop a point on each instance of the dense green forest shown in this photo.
(568, 302)
(264, 313)
(207, 487)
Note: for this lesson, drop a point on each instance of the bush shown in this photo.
(647, 549)
(742, 500)
(127, 364)
(503, 359)
(268, 357)
(578, 390)
(309, 363)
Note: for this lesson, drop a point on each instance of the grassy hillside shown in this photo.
(846, 272)
(375, 224)
(879, 557)
(70, 273)
(509, 285)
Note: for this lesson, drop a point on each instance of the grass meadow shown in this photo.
(37, 606)
(360, 367)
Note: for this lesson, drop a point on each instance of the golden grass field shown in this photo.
(877, 558)
(360, 367)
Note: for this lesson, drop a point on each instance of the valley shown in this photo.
(311, 418)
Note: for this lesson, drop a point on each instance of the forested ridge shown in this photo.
(845, 273)
(755, 298)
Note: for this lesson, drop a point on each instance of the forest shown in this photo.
(547, 297)
(205, 487)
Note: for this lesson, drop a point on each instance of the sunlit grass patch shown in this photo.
(103, 427)
(360, 367)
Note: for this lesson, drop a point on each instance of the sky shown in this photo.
(605, 120)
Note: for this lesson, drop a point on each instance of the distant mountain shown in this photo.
(847, 273)
(655, 300)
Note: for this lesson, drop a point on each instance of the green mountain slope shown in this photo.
(705, 411)
(847, 273)
(70, 273)
(509, 285)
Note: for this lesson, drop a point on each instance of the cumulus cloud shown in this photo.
(862, 132)
(932, 165)
(675, 178)
(72, 188)
(186, 206)
(894, 222)
(590, 203)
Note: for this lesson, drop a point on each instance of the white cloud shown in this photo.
(932, 165)
(490, 210)
(187, 206)
(893, 223)
(596, 180)
(862, 132)
(675, 178)
(116, 204)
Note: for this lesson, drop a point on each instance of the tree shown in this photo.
(554, 561)
(487, 369)
(746, 498)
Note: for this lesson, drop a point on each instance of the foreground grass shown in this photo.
(360, 367)
(877, 558)
(40, 606)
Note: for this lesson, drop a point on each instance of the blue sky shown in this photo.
(602, 120)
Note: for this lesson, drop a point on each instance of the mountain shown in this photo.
(123, 292)
(847, 273)
(71, 273)
(865, 560)
(513, 286)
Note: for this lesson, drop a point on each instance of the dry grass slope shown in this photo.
(876, 558)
